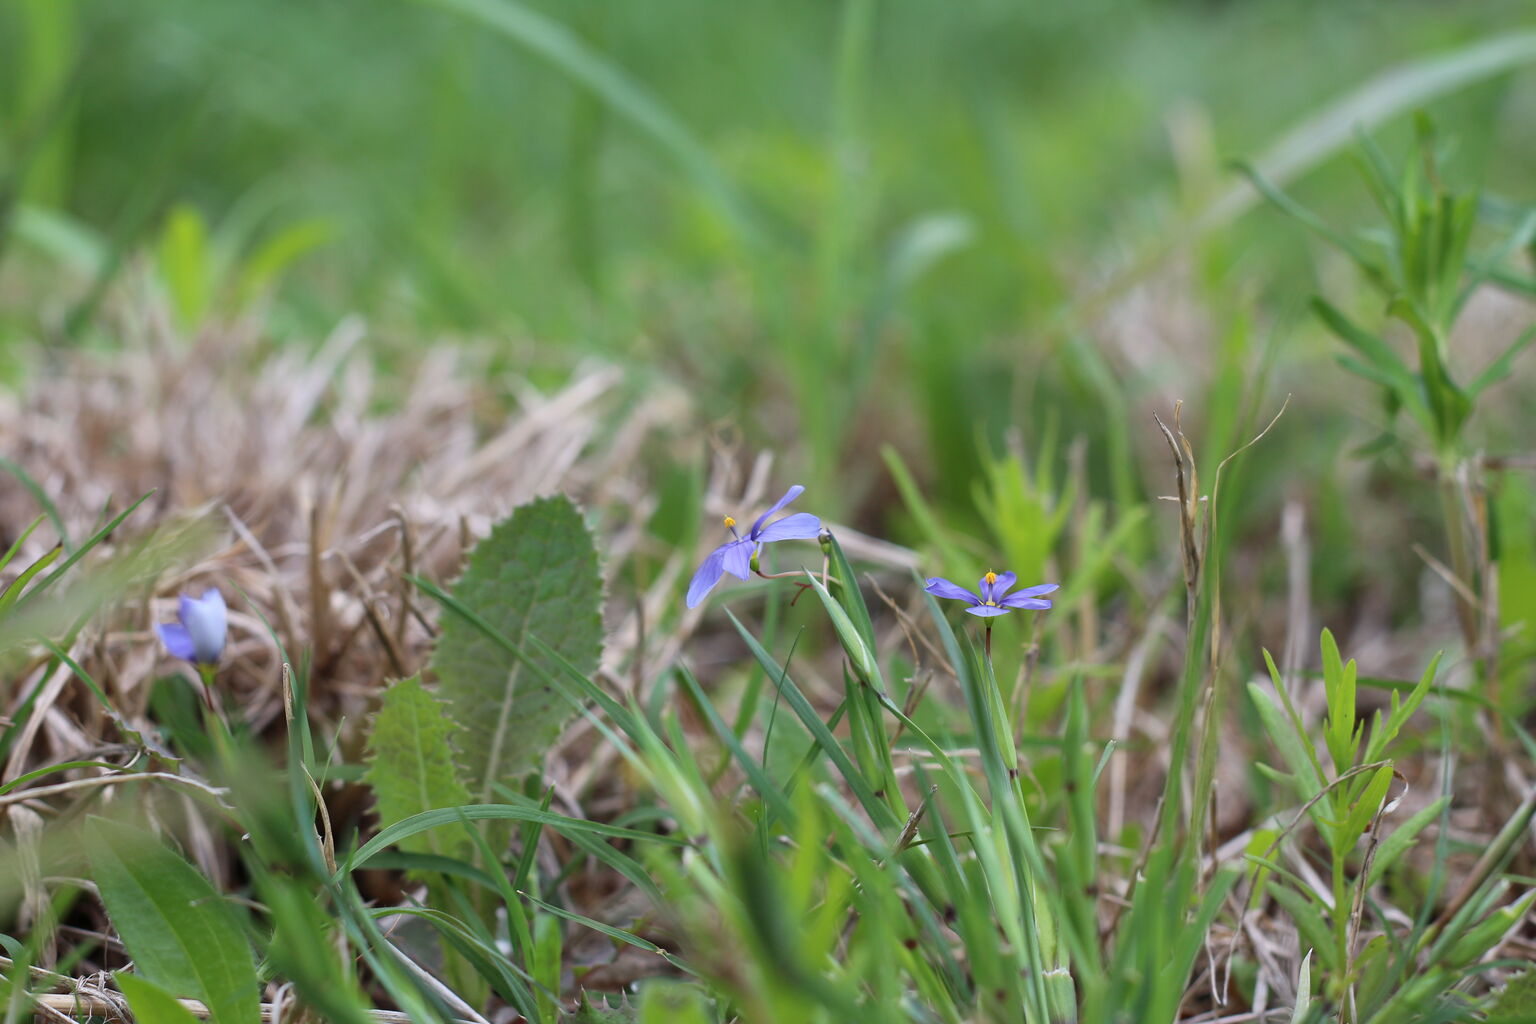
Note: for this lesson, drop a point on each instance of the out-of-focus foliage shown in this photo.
(824, 210)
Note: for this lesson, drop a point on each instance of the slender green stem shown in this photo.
(1461, 559)
(206, 672)
(1341, 903)
(213, 722)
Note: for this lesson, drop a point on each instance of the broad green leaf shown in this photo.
(183, 936)
(411, 769)
(150, 1003)
(535, 576)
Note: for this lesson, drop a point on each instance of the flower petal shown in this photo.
(1004, 581)
(738, 558)
(176, 639)
(708, 575)
(1037, 590)
(800, 526)
(940, 587)
(1022, 600)
(988, 610)
(207, 622)
(789, 496)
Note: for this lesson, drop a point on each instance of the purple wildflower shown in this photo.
(199, 636)
(735, 556)
(993, 587)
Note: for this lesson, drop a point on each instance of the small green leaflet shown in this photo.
(411, 769)
(150, 1003)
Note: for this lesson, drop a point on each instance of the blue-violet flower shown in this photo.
(199, 636)
(735, 556)
(993, 587)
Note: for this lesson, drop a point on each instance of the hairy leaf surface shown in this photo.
(412, 769)
(535, 576)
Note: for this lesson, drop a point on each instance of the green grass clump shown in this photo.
(979, 279)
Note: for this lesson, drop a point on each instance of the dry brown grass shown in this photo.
(323, 488)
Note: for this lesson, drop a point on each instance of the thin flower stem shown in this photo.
(216, 726)
(206, 673)
(797, 574)
(1461, 561)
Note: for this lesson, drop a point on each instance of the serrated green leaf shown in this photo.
(1516, 1002)
(183, 936)
(411, 768)
(535, 576)
(150, 1003)
(665, 1001)
(598, 1011)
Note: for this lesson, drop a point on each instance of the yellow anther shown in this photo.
(990, 604)
(729, 522)
(990, 577)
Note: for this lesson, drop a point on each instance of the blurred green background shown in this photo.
(836, 223)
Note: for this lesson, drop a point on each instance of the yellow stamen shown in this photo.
(990, 604)
(729, 522)
(990, 577)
